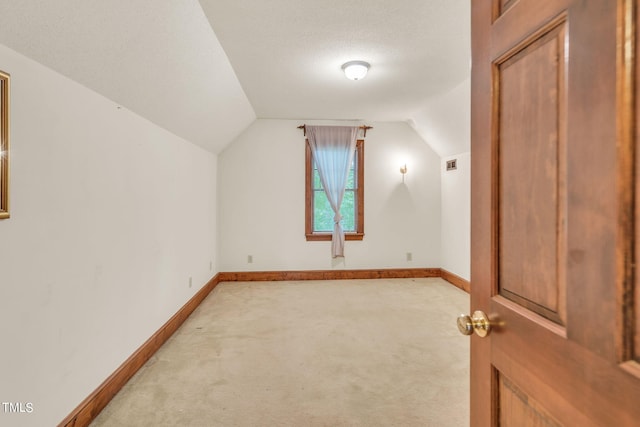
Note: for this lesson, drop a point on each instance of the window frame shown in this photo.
(359, 197)
(4, 145)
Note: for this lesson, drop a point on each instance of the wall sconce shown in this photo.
(403, 171)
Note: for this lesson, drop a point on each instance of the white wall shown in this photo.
(456, 216)
(110, 216)
(444, 121)
(261, 202)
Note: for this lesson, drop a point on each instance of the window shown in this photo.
(319, 215)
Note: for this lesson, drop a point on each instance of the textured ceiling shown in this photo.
(158, 58)
(288, 54)
(205, 70)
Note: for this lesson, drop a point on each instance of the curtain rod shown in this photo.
(365, 128)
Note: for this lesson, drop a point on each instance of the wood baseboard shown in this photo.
(456, 280)
(394, 273)
(86, 412)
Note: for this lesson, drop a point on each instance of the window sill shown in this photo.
(316, 237)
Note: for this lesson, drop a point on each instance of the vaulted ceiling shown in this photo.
(206, 69)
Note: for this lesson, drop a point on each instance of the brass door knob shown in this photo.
(478, 322)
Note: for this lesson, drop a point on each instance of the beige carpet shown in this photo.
(314, 353)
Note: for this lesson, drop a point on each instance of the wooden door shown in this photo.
(554, 224)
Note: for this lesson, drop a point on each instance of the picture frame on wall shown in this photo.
(4, 145)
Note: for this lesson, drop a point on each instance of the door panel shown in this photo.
(554, 223)
(575, 385)
(501, 6)
(514, 404)
(532, 196)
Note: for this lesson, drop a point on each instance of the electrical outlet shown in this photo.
(409, 256)
(190, 281)
(249, 259)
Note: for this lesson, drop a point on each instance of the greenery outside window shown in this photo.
(319, 215)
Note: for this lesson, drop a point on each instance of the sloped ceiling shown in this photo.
(205, 70)
(288, 54)
(158, 58)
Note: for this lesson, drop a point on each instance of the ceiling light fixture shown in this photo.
(355, 70)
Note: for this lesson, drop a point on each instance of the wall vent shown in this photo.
(452, 164)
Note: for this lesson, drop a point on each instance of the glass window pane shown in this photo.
(322, 212)
(351, 178)
(317, 184)
(322, 215)
(348, 212)
(351, 183)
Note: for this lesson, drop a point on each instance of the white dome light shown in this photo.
(355, 70)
